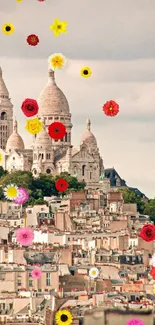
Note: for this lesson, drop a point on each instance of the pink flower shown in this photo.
(25, 236)
(135, 321)
(36, 273)
(22, 196)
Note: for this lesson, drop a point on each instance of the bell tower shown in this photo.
(6, 114)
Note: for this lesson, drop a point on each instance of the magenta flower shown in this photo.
(25, 236)
(22, 196)
(135, 321)
(36, 273)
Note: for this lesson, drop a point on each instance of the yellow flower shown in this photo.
(63, 317)
(1, 158)
(11, 192)
(59, 27)
(33, 126)
(8, 28)
(19, 0)
(86, 72)
(57, 61)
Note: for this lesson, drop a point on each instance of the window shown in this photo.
(42, 156)
(30, 283)
(3, 116)
(48, 171)
(15, 223)
(34, 171)
(19, 283)
(30, 276)
(66, 137)
(48, 279)
(83, 170)
(48, 156)
(90, 175)
(13, 158)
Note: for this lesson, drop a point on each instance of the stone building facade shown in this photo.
(48, 155)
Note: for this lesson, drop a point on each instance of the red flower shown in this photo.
(152, 272)
(111, 108)
(30, 107)
(61, 185)
(57, 130)
(32, 40)
(148, 232)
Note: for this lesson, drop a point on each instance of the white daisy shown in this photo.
(152, 261)
(11, 192)
(93, 272)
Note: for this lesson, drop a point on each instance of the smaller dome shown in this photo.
(88, 137)
(43, 140)
(15, 142)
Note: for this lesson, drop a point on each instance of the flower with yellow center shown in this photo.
(56, 61)
(8, 29)
(59, 27)
(85, 72)
(1, 158)
(93, 272)
(11, 192)
(34, 126)
(63, 317)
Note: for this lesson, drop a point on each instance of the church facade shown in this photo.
(48, 155)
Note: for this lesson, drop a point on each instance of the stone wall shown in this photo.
(110, 317)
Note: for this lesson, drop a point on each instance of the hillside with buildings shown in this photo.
(86, 241)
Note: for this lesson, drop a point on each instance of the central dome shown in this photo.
(15, 142)
(52, 100)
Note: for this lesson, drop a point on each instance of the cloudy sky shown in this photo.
(116, 39)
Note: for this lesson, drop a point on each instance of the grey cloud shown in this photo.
(104, 31)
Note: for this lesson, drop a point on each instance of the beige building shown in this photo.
(48, 155)
(13, 279)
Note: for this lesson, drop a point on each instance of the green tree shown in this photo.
(2, 172)
(39, 187)
(131, 197)
(19, 178)
(150, 209)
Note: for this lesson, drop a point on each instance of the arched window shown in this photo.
(3, 116)
(42, 156)
(83, 170)
(48, 170)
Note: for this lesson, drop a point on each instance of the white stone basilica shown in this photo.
(48, 155)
